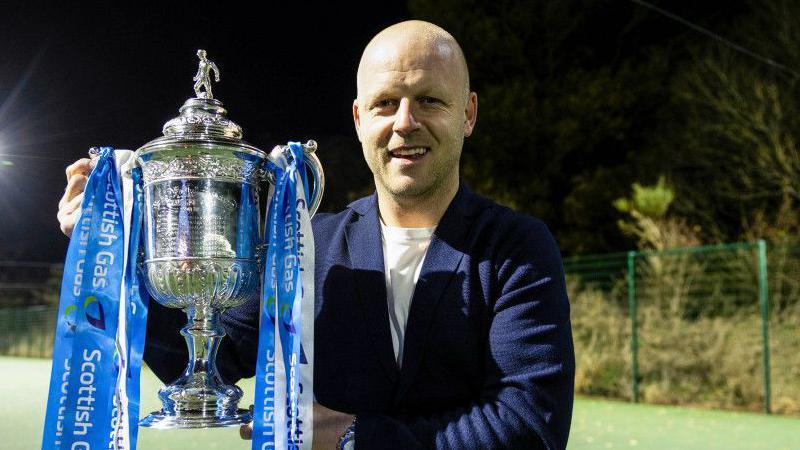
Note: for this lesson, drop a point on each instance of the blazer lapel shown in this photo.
(440, 264)
(366, 257)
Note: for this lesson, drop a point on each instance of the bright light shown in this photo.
(3, 161)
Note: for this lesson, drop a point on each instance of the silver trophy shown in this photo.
(203, 239)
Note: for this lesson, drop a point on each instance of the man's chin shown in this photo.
(410, 190)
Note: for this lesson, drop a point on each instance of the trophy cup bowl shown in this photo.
(203, 242)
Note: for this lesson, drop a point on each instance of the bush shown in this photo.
(704, 361)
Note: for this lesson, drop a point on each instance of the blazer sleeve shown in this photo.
(527, 393)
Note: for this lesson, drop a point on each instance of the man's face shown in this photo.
(411, 115)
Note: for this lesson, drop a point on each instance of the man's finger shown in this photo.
(68, 214)
(67, 221)
(69, 208)
(72, 205)
(75, 186)
(66, 228)
(82, 166)
(246, 431)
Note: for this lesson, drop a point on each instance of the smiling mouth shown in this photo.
(410, 153)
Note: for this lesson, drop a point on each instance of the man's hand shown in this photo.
(69, 206)
(328, 426)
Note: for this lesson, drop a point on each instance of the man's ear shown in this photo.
(357, 119)
(470, 113)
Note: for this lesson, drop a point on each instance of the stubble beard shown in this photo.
(421, 190)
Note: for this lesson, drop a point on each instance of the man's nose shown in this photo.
(404, 122)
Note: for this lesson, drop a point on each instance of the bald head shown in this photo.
(411, 45)
(412, 113)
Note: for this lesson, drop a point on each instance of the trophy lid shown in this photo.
(202, 119)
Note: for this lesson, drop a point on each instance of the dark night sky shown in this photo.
(71, 78)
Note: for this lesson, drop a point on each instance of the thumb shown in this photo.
(246, 430)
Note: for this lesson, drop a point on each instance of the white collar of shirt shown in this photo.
(403, 254)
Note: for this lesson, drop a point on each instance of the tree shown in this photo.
(737, 168)
(569, 105)
(648, 221)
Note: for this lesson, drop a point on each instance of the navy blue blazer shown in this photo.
(488, 359)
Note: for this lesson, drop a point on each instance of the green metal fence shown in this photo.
(716, 324)
(712, 325)
(25, 283)
(701, 281)
(27, 331)
(28, 298)
(603, 272)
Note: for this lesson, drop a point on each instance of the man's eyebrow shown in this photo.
(382, 93)
(376, 96)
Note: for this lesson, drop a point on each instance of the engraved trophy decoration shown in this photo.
(203, 241)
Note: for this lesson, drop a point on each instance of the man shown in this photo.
(442, 319)
(202, 79)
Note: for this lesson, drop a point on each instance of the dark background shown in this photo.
(578, 100)
(109, 74)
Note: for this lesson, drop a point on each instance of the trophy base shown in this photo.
(199, 398)
(163, 421)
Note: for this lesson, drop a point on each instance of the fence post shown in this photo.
(6, 339)
(42, 335)
(632, 312)
(763, 300)
(16, 345)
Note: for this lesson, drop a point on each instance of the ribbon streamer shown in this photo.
(94, 395)
(283, 410)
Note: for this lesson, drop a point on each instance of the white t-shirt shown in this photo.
(403, 252)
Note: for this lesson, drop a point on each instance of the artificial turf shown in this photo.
(596, 424)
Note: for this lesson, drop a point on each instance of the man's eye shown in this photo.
(425, 100)
(384, 103)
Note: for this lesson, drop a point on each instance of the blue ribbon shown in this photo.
(289, 304)
(136, 313)
(66, 326)
(264, 426)
(91, 384)
(282, 294)
(82, 408)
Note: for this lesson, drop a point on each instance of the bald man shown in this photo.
(442, 319)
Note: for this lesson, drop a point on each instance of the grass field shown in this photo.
(596, 424)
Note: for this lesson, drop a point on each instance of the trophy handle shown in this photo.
(310, 148)
(312, 163)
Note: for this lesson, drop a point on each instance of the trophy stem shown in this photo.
(199, 398)
(203, 335)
